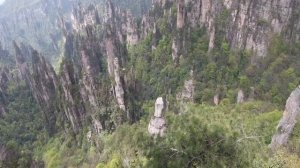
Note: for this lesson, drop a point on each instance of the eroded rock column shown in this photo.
(157, 125)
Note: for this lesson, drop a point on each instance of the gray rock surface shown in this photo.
(251, 23)
(180, 14)
(288, 121)
(157, 125)
(42, 81)
(217, 99)
(187, 93)
(240, 97)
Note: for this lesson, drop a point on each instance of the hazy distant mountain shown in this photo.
(37, 22)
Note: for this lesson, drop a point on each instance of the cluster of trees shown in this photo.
(221, 71)
(22, 127)
(202, 136)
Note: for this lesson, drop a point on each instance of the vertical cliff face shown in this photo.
(45, 85)
(33, 23)
(42, 81)
(71, 104)
(90, 80)
(21, 54)
(132, 29)
(87, 90)
(180, 14)
(105, 44)
(178, 40)
(7, 76)
(82, 18)
(4, 79)
(254, 22)
(111, 56)
(114, 53)
(244, 24)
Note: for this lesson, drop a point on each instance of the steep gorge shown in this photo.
(93, 69)
(112, 64)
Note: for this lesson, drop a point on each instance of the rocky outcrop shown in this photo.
(217, 99)
(240, 97)
(177, 46)
(89, 82)
(4, 79)
(44, 87)
(157, 125)
(180, 14)
(244, 24)
(254, 22)
(42, 81)
(187, 93)
(71, 104)
(178, 40)
(34, 23)
(114, 54)
(82, 17)
(132, 30)
(288, 121)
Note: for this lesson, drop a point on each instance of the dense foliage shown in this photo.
(202, 136)
(199, 134)
(222, 71)
(22, 128)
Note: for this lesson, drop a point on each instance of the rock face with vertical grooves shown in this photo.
(72, 104)
(4, 80)
(288, 121)
(131, 29)
(249, 24)
(114, 52)
(84, 90)
(42, 81)
(157, 125)
(180, 14)
(34, 23)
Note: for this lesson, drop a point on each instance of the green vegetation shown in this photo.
(202, 136)
(22, 128)
(222, 71)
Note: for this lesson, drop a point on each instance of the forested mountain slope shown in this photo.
(223, 72)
